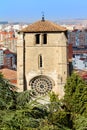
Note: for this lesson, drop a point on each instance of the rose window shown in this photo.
(41, 84)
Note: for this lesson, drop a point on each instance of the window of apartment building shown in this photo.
(44, 38)
(37, 36)
(40, 61)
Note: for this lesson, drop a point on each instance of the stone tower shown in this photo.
(42, 58)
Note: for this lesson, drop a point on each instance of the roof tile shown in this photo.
(44, 26)
(11, 75)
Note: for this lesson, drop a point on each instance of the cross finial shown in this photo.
(43, 16)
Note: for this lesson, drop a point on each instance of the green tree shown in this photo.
(7, 94)
(80, 122)
(57, 116)
(76, 95)
(29, 113)
(75, 102)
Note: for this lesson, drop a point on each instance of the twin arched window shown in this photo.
(44, 38)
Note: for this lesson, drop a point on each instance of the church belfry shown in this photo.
(42, 58)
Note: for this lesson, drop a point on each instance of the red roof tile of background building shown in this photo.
(11, 75)
(8, 52)
(82, 74)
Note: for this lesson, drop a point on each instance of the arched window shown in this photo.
(44, 38)
(40, 61)
(37, 38)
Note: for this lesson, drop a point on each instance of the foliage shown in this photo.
(25, 97)
(24, 111)
(75, 102)
(75, 94)
(80, 122)
(33, 115)
(7, 94)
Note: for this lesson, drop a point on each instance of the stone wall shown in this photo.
(54, 59)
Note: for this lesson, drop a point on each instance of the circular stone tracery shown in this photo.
(41, 84)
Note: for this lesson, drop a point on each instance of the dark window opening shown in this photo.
(37, 38)
(44, 38)
(40, 61)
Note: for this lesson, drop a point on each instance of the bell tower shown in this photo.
(42, 58)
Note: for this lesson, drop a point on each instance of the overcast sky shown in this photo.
(31, 10)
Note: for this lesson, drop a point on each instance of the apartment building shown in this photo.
(7, 59)
(77, 37)
(8, 40)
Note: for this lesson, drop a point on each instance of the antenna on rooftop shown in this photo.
(43, 16)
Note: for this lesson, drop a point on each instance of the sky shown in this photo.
(32, 10)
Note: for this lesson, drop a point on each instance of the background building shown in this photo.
(7, 59)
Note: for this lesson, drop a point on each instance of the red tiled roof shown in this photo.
(4, 32)
(8, 52)
(84, 77)
(11, 75)
(12, 38)
(44, 26)
(82, 74)
(1, 45)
